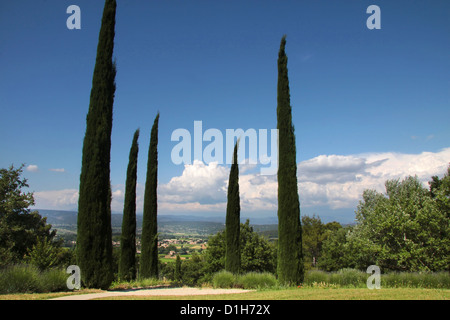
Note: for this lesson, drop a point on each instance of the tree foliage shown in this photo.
(232, 223)
(127, 262)
(405, 229)
(20, 228)
(314, 233)
(257, 253)
(149, 238)
(94, 246)
(177, 272)
(290, 257)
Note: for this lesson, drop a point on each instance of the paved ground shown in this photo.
(151, 292)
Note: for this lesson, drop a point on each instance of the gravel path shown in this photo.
(151, 292)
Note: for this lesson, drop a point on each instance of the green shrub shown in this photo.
(438, 280)
(256, 280)
(19, 279)
(352, 278)
(53, 280)
(223, 279)
(316, 276)
(344, 277)
(28, 279)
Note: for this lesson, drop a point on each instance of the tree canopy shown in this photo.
(20, 228)
(404, 229)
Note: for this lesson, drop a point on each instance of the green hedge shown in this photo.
(28, 279)
(250, 280)
(358, 279)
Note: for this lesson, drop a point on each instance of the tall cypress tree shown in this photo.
(149, 237)
(94, 247)
(290, 257)
(232, 223)
(127, 262)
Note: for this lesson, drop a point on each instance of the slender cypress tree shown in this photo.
(94, 247)
(149, 238)
(232, 223)
(290, 257)
(127, 263)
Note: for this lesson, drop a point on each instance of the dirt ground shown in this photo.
(149, 292)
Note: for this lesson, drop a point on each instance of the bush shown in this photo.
(316, 276)
(256, 280)
(355, 278)
(53, 280)
(19, 279)
(223, 279)
(351, 278)
(28, 279)
(438, 280)
(344, 277)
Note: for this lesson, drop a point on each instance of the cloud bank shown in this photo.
(333, 181)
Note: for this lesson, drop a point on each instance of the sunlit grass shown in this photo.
(314, 294)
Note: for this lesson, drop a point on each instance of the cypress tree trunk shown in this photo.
(290, 257)
(94, 247)
(149, 238)
(127, 264)
(232, 223)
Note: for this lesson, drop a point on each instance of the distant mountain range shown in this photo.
(69, 218)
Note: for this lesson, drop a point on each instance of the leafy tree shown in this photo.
(440, 192)
(19, 226)
(337, 252)
(44, 254)
(127, 264)
(232, 252)
(94, 247)
(314, 234)
(290, 257)
(149, 237)
(257, 254)
(193, 270)
(403, 230)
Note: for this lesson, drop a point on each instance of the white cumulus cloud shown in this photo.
(334, 181)
(66, 199)
(32, 168)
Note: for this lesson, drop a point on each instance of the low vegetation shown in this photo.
(345, 278)
(29, 279)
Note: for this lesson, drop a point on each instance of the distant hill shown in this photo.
(167, 224)
(60, 217)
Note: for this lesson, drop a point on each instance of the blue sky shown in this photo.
(358, 95)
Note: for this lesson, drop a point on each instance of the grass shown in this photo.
(306, 293)
(45, 296)
(27, 283)
(311, 293)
